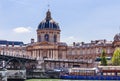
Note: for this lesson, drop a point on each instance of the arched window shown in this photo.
(46, 37)
(55, 38)
(39, 38)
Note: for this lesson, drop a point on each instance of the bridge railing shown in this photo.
(67, 60)
(17, 55)
(15, 52)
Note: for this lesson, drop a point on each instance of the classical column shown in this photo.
(56, 54)
(40, 53)
(52, 54)
(33, 53)
(49, 53)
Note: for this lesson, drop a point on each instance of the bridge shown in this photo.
(15, 67)
(16, 63)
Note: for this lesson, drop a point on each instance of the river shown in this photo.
(61, 80)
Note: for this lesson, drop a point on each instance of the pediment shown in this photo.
(45, 43)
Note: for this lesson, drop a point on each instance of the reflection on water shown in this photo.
(61, 80)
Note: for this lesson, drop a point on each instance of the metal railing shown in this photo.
(67, 60)
(18, 55)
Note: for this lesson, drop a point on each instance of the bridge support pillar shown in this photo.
(3, 76)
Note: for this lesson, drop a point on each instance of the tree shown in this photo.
(103, 58)
(116, 57)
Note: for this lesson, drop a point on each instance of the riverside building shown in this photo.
(51, 53)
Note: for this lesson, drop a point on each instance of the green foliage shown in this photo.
(116, 57)
(103, 58)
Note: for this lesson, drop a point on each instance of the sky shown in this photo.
(79, 20)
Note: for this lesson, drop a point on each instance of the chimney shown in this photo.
(73, 43)
(7, 44)
(32, 40)
(104, 41)
(82, 43)
(13, 44)
(92, 41)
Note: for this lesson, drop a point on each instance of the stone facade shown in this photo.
(52, 53)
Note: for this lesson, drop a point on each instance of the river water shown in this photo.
(62, 80)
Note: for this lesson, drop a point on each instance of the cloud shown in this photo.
(70, 39)
(22, 29)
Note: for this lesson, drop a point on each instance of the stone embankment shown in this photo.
(42, 74)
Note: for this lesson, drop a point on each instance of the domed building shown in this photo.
(116, 42)
(48, 47)
(117, 37)
(51, 53)
(48, 30)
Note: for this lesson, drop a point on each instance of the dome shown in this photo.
(117, 37)
(48, 23)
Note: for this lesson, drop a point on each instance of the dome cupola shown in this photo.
(116, 41)
(48, 30)
(48, 15)
(48, 23)
(117, 37)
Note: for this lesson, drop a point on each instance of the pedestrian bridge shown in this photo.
(10, 61)
(16, 66)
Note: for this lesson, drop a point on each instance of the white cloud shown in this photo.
(22, 29)
(70, 39)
